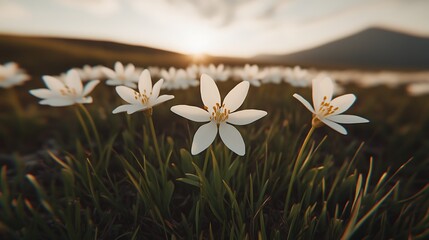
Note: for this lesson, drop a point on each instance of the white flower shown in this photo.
(272, 75)
(127, 76)
(219, 115)
(154, 71)
(65, 93)
(178, 79)
(218, 73)
(297, 76)
(329, 111)
(87, 72)
(250, 73)
(418, 89)
(11, 75)
(146, 98)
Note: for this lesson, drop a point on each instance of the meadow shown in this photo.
(58, 180)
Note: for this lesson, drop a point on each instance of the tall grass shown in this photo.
(369, 184)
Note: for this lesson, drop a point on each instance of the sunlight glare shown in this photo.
(199, 42)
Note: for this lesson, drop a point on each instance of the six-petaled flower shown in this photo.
(327, 110)
(66, 93)
(145, 99)
(219, 115)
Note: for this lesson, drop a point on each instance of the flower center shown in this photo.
(326, 108)
(68, 91)
(219, 114)
(121, 77)
(142, 97)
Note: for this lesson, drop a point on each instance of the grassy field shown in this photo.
(56, 183)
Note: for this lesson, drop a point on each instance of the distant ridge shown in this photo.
(49, 55)
(373, 48)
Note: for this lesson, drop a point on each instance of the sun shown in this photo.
(198, 43)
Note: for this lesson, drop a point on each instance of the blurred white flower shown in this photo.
(219, 116)
(154, 71)
(127, 76)
(11, 75)
(146, 98)
(61, 77)
(88, 72)
(250, 73)
(193, 71)
(178, 79)
(66, 93)
(219, 73)
(329, 111)
(297, 77)
(272, 75)
(418, 89)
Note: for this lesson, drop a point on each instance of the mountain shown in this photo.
(374, 48)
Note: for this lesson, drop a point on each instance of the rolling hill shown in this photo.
(373, 48)
(54, 55)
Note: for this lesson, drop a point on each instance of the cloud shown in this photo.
(268, 26)
(222, 27)
(11, 10)
(96, 7)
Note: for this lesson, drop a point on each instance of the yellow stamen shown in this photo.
(68, 91)
(326, 108)
(219, 114)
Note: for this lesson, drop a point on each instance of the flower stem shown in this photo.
(14, 101)
(94, 128)
(17, 108)
(296, 166)
(154, 139)
(84, 127)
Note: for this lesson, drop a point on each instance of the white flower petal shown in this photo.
(244, 117)
(145, 83)
(192, 113)
(255, 82)
(232, 138)
(204, 136)
(129, 108)
(322, 87)
(343, 103)
(42, 93)
(84, 100)
(161, 99)
(113, 82)
(209, 92)
(337, 127)
(130, 84)
(347, 119)
(304, 102)
(53, 83)
(57, 102)
(129, 70)
(89, 87)
(73, 81)
(235, 98)
(156, 89)
(128, 94)
(119, 68)
(108, 72)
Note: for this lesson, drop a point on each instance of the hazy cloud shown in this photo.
(96, 7)
(10, 10)
(220, 27)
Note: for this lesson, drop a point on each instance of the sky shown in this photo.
(236, 28)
